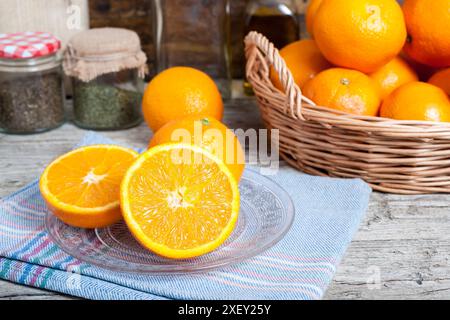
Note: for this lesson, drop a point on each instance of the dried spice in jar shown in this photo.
(107, 66)
(31, 83)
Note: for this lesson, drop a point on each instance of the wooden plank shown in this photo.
(405, 240)
(11, 291)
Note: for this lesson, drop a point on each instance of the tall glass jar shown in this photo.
(107, 66)
(31, 83)
(196, 34)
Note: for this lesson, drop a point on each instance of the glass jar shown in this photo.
(195, 34)
(107, 66)
(31, 85)
(109, 102)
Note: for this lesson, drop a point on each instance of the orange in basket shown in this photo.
(304, 60)
(441, 79)
(345, 90)
(362, 35)
(428, 31)
(311, 14)
(394, 74)
(417, 101)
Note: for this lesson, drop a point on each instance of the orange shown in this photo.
(179, 201)
(345, 90)
(178, 92)
(428, 31)
(311, 14)
(304, 60)
(207, 133)
(394, 74)
(82, 187)
(417, 101)
(441, 79)
(362, 35)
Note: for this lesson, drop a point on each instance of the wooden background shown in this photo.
(136, 15)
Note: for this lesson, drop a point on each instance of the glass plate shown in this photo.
(266, 216)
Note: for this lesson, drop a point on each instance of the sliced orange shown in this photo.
(82, 187)
(179, 201)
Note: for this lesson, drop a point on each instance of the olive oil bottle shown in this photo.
(276, 19)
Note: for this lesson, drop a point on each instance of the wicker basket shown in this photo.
(404, 157)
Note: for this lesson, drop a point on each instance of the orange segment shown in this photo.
(82, 187)
(180, 201)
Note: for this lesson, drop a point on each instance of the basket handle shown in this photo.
(258, 46)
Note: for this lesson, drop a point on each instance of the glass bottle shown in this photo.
(196, 34)
(276, 19)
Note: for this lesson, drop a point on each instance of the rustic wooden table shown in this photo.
(401, 251)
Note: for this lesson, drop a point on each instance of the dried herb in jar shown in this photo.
(107, 66)
(105, 106)
(31, 103)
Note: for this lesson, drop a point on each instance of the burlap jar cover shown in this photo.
(95, 52)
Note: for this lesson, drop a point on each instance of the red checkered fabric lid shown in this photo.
(26, 45)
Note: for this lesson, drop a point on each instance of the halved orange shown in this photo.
(180, 201)
(82, 187)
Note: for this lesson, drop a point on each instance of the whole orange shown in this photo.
(178, 92)
(208, 133)
(441, 79)
(304, 60)
(362, 35)
(311, 14)
(428, 31)
(392, 75)
(417, 101)
(346, 90)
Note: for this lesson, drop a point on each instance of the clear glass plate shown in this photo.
(266, 215)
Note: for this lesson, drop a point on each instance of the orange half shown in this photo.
(82, 187)
(180, 201)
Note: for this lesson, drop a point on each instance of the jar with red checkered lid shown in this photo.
(31, 83)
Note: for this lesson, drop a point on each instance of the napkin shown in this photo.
(300, 266)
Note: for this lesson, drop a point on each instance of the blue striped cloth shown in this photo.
(301, 266)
